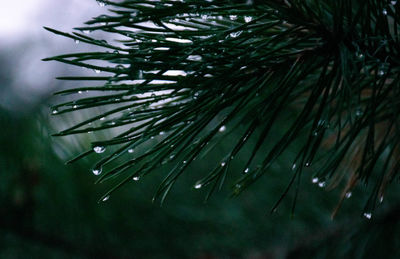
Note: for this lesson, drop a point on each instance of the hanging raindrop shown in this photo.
(235, 34)
(384, 11)
(248, 18)
(294, 166)
(222, 128)
(76, 41)
(99, 149)
(106, 198)
(359, 112)
(198, 186)
(393, 2)
(130, 150)
(97, 71)
(246, 170)
(383, 69)
(101, 3)
(136, 178)
(315, 180)
(348, 195)
(54, 111)
(97, 171)
(368, 215)
(233, 17)
(321, 184)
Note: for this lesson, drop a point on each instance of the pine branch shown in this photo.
(186, 71)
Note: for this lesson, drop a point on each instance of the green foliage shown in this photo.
(179, 76)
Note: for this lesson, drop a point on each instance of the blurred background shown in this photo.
(50, 210)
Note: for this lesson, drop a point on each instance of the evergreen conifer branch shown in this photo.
(185, 71)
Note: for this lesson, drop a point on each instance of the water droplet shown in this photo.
(246, 170)
(294, 166)
(307, 164)
(238, 186)
(130, 150)
(76, 41)
(204, 16)
(393, 2)
(54, 111)
(248, 18)
(222, 128)
(368, 215)
(381, 72)
(101, 3)
(223, 164)
(136, 178)
(106, 198)
(315, 133)
(86, 31)
(102, 118)
(75, 106)
(348, 195)
(99, 149)
(384, 11)
(97, 71)
(162, 132)
(233, 17)
(381, 199)
(321, 184)
(184, 161)
(96, 171)
(359, 112)
(235, 34)
(315, 180)
(198, 186)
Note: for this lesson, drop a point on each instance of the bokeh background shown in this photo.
(50, 210)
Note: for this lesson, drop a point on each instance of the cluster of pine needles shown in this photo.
(188, 72)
